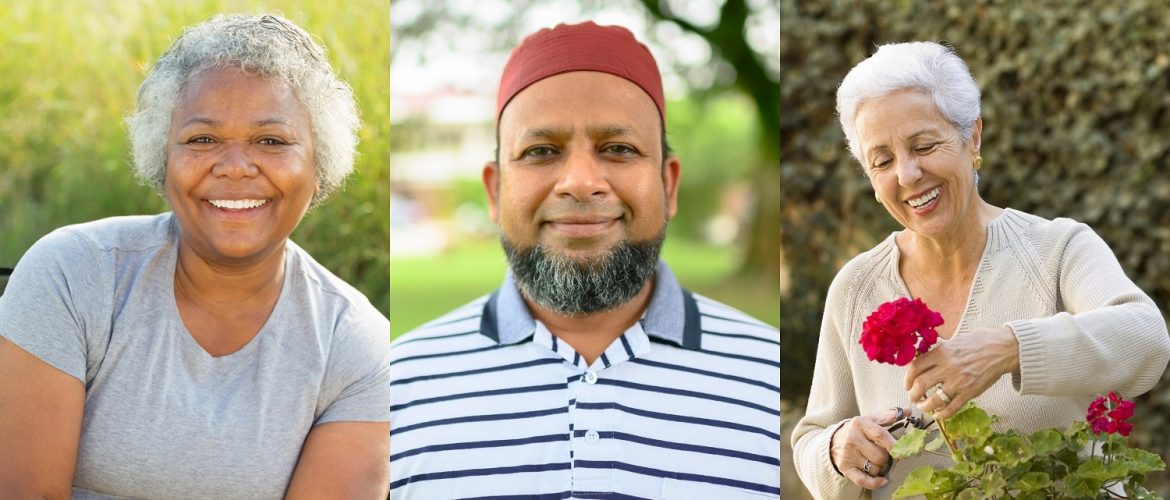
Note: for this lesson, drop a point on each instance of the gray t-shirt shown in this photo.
(163, 418)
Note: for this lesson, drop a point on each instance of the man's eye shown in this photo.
(621, 149)
(539, 151)
(271, 141)
(201, 139)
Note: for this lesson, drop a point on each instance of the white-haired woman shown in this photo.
(200, 353)
(1039, 315)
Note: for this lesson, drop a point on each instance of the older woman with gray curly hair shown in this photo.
(200, 352)
(1038, 314)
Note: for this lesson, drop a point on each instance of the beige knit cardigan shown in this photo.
(1083, 327)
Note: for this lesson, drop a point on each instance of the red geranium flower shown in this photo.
(898, 330)
(1108, 415)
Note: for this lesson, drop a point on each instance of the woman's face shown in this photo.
(918, 163)
(240, 165)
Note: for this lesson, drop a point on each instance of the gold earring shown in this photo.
(878, 198)
(978, 162)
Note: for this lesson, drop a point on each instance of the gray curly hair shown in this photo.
(267, 45)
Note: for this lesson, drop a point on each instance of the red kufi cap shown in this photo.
(580, 47)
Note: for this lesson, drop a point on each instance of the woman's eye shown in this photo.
(881, 163)
(926, 148)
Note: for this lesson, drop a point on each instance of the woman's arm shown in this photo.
(41, 410)
(1112, 336)
(830, 404)
(344, 460)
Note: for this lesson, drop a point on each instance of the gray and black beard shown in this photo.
(581, 286)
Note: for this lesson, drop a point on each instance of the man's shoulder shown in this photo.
(719, 322)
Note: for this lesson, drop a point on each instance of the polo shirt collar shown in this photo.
(672, 315)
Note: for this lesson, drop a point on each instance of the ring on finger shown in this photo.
(938, 389)
(867, 467)
(901, 413)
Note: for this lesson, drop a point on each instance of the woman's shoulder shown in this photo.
(868, 264)
(126, 233)
(1038, 231)
(335, 298)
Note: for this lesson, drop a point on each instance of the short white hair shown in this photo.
(267, 45)
(926, 67)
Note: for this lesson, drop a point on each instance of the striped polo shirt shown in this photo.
(487, 403)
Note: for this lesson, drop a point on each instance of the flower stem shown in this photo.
(942, 428)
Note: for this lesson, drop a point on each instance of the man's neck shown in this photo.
(590, 335)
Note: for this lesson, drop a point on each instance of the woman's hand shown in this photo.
(864, 440)
(962, 368)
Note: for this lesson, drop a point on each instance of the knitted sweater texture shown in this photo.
(1083, 328)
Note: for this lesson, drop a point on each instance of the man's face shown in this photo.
(581, 167)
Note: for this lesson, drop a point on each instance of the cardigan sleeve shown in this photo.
(1108, 336)
(831, 402)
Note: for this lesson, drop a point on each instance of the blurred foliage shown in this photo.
(1075, 112)
(714, 140)
(72, 72)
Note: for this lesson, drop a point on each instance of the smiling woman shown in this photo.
(1036, 315)
(200, 352)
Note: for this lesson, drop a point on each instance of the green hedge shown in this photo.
(1076, 111)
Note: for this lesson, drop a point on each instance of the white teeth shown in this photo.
(926, 198)
(237, 204)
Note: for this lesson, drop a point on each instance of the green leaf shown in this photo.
(1045, 442)
(992, 485)
(1011, 450)
(969, 469)
(909, 445)
(1141, 461)
(1033, 482)
(919, 482)
(1094, 469)
(1082, 488)
(971, 424)
(971, 494)
(935, 444)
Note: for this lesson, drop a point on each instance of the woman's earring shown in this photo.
(978, 162)
(878, 198)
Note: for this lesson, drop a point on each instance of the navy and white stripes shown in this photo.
(521, 416)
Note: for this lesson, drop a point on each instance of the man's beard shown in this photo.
(581, 286)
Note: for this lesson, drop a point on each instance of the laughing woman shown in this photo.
(201, 353)
(1039, 315)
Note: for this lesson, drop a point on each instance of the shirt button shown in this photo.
(591, 378)
(592, 437)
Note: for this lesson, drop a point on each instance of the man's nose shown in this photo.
(583, 176)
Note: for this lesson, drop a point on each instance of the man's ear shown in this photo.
(671, 173)
(491, 186)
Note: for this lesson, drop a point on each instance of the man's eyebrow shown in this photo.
(547, 133)
(607, 131)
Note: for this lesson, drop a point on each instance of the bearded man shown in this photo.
(590, 373)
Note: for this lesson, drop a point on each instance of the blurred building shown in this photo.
(439, 141)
